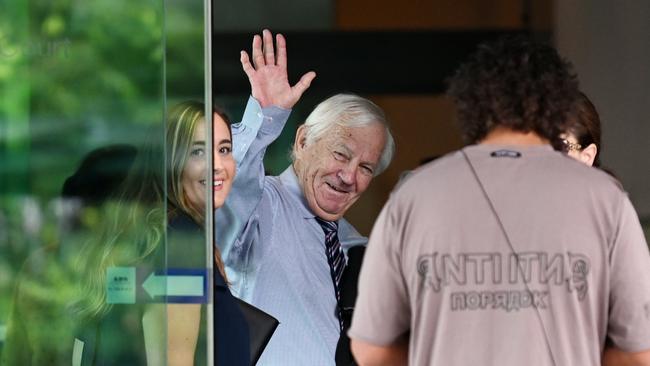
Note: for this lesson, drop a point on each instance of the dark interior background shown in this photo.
(399, 54)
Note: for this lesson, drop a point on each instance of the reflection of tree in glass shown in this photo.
(41, 330)
(133, 234)
(77, 75)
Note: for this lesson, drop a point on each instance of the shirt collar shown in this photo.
(289, 180)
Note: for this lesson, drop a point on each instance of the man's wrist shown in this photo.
(268, 106)
(268, 102)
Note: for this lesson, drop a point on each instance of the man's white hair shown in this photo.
(350, 111)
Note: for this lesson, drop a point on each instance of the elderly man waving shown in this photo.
(283, 237)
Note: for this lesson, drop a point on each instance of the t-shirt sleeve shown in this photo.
(382, 312)
(629, 311)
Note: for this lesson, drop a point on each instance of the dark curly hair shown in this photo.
(516, 83)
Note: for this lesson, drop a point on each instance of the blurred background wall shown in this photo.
(609, 44)
(399, 53)
(424, 124)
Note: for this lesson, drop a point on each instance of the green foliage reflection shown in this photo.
(74, 76)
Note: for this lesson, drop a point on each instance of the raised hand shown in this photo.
(268, 73)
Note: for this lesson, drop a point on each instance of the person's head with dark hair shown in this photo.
(517, 84)
(100, 174)
(582, 138)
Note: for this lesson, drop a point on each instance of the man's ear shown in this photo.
(588, 154)
(301, 138)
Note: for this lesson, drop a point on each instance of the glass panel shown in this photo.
(187, 149)
(83, 183)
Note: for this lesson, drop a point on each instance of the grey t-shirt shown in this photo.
(439, 270)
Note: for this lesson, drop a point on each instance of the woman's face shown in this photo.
(193, 177)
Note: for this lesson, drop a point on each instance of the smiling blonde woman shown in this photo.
(162, 201)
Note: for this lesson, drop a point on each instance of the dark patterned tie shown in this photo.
(335, 258)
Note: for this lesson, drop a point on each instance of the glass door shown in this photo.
(97, 265)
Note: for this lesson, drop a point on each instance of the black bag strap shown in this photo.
(512, 250)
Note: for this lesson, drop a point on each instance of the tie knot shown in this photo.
(328, 226)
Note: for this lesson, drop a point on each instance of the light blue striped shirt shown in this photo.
(274, 249)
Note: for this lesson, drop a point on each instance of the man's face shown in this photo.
(335, 170)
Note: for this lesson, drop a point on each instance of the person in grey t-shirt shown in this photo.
(507, 252)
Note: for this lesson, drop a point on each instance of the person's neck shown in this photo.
(506, 136)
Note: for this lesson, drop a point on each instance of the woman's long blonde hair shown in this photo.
(136, 220)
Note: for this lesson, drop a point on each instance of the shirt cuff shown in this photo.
(269, 120)
(256, 117)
